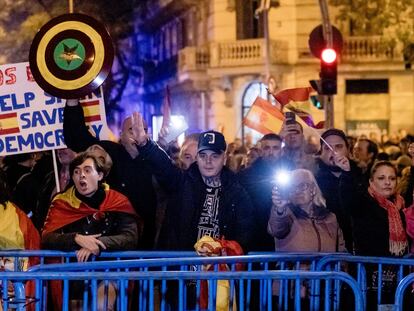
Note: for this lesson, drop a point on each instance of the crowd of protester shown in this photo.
(333, 193)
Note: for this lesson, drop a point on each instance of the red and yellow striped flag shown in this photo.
(299, 94)
(264, 117)
(91, 111)
(9, 123)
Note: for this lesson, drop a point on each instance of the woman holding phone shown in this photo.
(299, 219)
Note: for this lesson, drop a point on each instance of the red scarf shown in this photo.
(398, 238)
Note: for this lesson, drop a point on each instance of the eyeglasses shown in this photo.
(300, 187)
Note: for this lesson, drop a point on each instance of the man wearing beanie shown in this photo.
(205, 199)
(334, 166)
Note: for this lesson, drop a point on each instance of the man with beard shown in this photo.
(294, 148)
(258, 180)
(336, 167)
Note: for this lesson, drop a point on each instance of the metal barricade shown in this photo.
(235, 295)
(373, 274)
(16, 257)
(264, 262)
(401, 288)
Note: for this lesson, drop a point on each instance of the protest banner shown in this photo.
(32, 120)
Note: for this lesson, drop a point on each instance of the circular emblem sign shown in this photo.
(71, 55)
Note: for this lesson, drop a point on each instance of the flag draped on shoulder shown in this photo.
(264, 117)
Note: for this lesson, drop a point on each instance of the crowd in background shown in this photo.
(339, 193)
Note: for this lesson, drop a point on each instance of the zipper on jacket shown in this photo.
(317, 234)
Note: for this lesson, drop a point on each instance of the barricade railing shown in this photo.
(65, 257)
(376, 276)
(234, 295)
(400, 292)
(16, 260)
(264, 262)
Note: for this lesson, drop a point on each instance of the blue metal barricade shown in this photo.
(377, 276)
(237, 279)
(399, 293)
(15, 258)
(281, 261)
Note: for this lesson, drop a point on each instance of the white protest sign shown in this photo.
(31, 120)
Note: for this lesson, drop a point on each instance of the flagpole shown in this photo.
(327, 35)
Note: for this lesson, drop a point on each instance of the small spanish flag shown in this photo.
(264, 117)
(91, 111)
(9, 123)
(299, 94)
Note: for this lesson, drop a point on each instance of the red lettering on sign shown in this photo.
(29, 74)
(10, 73)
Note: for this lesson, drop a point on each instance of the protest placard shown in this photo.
(31, 120)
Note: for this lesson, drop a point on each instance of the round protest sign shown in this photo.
(71, 55)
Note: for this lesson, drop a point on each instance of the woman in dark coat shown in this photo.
(378, 225)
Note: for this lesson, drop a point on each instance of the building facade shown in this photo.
(212, 55)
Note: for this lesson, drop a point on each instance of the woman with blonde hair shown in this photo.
(299, 219)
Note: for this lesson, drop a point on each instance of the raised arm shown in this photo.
(161, 165)
(280, 220)
(77, 136)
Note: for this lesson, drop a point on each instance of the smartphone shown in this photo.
(290, 117)
(176, 127)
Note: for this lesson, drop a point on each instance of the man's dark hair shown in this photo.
(372, 147)
(271, 136)
(82, 157)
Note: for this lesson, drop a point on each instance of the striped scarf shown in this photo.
(398, 238)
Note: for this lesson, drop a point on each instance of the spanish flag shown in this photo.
(9, 123)
(18, 232)
(264, 117)
(306, 117)
(299, 94)
(91, 111)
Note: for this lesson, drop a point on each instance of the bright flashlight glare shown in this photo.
(177, 122)
(282, 178)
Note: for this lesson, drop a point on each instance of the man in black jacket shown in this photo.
(258, 180)
(205, 199)
(334, 166)
(130, 174)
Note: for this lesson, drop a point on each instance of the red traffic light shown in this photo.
(328, 55)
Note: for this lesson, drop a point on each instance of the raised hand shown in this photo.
(72, 102)
(138, 130)
(277, 199)
(342, 162)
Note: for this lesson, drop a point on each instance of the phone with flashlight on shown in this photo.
(176, 127)
(282, 182)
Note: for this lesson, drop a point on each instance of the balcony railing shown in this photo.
(252, 52)
(368, 49)
(231, 54)
(193, 59)
(245, 53)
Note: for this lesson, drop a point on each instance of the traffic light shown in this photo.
(317, 101)
(328, 73)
